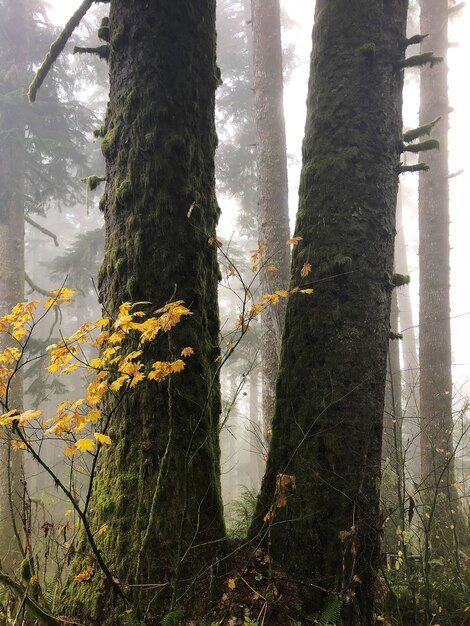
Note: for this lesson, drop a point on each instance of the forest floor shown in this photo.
(258, 591)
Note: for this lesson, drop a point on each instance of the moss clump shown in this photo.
(416, 133)
(422, 146)
(398, 280)
(109, 141)
(93, 181)
(124, 192)
(103, 30)
(100, 132)
(418, 167)
(419, 60)
(102, 52)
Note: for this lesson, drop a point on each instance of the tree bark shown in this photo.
(158, 486)
(273, 205)
(327, 426)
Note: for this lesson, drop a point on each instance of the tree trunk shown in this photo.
(158, 485)
(436, 393)
(410, 372)
(327, 426)
(14, 54)
(273, 206)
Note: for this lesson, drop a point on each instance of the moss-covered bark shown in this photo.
(435, 389)
(158, 484)
(329, 409)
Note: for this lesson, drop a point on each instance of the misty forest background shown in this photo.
(301, 455)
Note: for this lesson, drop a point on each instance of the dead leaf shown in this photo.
(284, 484)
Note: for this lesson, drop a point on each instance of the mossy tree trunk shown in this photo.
(436, 392)
(14, 61)
(273, 205)
(327, 426)
(158, 484)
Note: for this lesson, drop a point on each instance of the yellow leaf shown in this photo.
(64, 294)
(102, 529)
(282, 293)
(117, 581)
(118, 383)
(271, 268)
(308, 291)
(268, 516)
(70, 451)
(187, 351)
(93, 416)
(28, 416)
(231, 583)
(103, 438)
(85, 445)
(86, 575)
(102, 323)
(177, 366)
(8, 418)
(18, 445)
(294, 240)
(10, 355)
(306, 269)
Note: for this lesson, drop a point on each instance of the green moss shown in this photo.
(99, 132)
(418, 60)
(416, 133)
(93, 181)
(109, 142)
(422, 146)
(124, 192)
(398, 280)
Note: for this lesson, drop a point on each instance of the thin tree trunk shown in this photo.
(436, 390)
(14, 55)
(273, 209)
(410, 372)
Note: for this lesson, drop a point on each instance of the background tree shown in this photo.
(329, 409)
(273, 204)
(436, 392)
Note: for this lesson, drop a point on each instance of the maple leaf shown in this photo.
(28, 416)
(64, 294)
(294, 240)
(85, 445)
(86, 575)
(19, 445)
(70, 451)
(284, 483)
(231, 583)
(306, 269)
(187, 351)
(103, 438)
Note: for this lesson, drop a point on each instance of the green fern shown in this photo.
(332, 613)
(172, 619)
(130, 619)
(240, 513)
